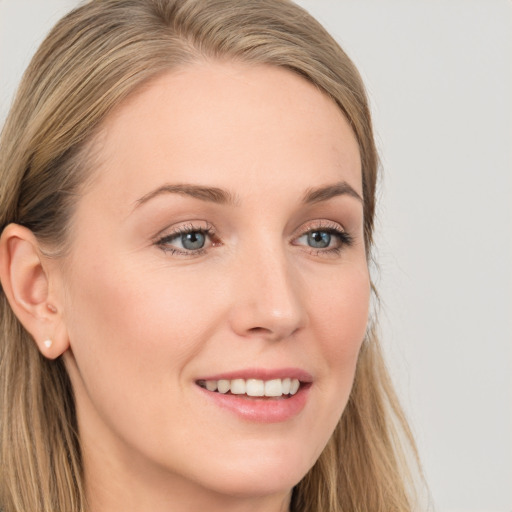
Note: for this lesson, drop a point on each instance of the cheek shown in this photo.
(343, 314)
(133, 324)
(338, 317)
(132, 333)
(341, 321)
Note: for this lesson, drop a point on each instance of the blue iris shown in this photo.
(193, 240)
(319, 239)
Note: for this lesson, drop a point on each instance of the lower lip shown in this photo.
(260, 409)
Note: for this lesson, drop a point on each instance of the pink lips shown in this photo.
(261, 409)
(263, 374)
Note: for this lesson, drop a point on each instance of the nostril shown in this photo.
(278, 333)
(259, 330)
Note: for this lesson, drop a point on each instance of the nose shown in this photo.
(268, 300)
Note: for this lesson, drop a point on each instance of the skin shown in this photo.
(143, 321)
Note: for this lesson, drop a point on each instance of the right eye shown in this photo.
(187, 240)
(191, 241)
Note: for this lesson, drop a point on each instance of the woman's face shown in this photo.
(218, 246)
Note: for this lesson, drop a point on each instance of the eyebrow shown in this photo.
(211, 194)
(221, 196)
(316, 195)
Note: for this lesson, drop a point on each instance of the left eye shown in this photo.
(191, 240)
(324, 239)
(318, 239)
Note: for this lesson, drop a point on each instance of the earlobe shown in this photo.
(26, 286)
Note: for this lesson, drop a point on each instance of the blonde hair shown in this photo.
(91, 61)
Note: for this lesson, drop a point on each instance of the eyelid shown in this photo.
(184, 227)
(163, 237)
(328, 226)
(321, 224)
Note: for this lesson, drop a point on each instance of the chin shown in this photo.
(258, 474)
(255, 484)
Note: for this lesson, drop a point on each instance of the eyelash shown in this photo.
(187, 229)
(344, 239)
(333, 229)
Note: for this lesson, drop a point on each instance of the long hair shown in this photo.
(92, 60)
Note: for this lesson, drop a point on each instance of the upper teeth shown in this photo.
(254, 387)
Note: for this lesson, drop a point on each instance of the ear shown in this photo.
(26, 284)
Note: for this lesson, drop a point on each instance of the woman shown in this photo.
(187, 207)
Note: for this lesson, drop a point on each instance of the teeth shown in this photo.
(294, 386)
(254, 387)
(211, 385)
(238, 387)
(223, 386)
(273, 387)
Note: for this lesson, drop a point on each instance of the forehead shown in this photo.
(228, 125)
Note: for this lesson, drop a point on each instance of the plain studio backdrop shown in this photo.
(439, 76)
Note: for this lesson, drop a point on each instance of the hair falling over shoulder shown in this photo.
(91, 61)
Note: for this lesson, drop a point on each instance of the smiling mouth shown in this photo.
(274, 388)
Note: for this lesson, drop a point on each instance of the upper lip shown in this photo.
(262, 374)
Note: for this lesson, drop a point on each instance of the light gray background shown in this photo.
(439, 75)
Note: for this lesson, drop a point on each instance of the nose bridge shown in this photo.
(268, 299)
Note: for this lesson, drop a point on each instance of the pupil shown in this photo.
(194, 240)
(319, 239)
